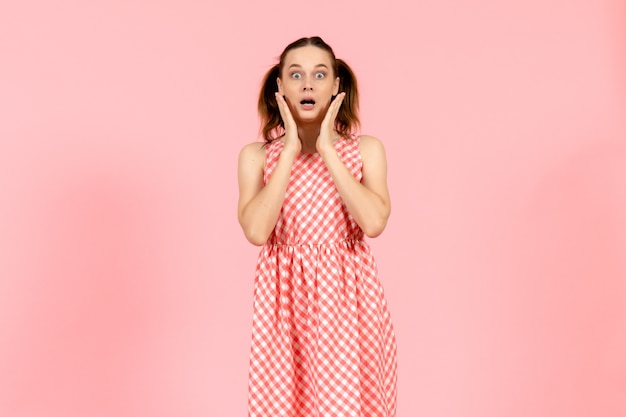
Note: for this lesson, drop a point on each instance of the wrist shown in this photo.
(290, 152)
(326, 150)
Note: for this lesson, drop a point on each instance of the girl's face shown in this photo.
(308, 82)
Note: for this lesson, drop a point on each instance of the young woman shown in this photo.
(322, 338)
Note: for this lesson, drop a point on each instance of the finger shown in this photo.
(283, 108)
(337, 103)
(281, 105)
(333, 110)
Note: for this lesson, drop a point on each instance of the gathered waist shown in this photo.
(342, 242)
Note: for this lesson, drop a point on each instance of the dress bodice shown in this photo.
(313, 211)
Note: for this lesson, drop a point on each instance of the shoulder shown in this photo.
(368, 140)
(252, 154)
(371, 147)
(252, 150)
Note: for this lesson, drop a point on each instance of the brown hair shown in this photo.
(272, 125)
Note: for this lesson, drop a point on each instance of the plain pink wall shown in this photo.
(126, 284)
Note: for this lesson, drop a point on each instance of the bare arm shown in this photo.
(259, 206)
(367, 201)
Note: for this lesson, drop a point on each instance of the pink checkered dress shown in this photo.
(322, 340)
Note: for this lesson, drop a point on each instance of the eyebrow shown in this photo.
(300, 66)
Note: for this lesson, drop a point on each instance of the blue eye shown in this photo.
(296, 75)
(320, 75)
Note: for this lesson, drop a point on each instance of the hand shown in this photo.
(327, 129)
(291, 139)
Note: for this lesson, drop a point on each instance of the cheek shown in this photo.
(289, 88)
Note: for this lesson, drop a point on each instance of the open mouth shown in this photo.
(307, 103)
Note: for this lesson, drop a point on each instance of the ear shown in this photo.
(280, 86)
(336, 86)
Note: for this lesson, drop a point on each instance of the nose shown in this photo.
(307, 86)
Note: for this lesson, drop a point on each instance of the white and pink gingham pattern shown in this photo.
(322, 338)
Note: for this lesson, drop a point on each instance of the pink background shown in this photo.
(126, 283)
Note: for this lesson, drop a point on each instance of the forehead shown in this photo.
(308, 56)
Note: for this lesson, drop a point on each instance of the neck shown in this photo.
(308, 134)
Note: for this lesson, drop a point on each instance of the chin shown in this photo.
(309, 116)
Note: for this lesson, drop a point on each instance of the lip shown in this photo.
(307, 106)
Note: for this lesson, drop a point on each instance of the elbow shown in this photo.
(256, 237)
(253, 234)
(256, 240)
(376, 225)
(375, 228)
(373, 232)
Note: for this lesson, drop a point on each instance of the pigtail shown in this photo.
(269, 113)
(347, 122)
